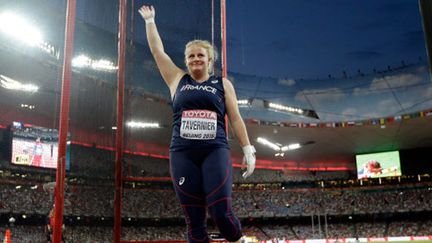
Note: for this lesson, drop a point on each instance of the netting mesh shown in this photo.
(92, 118)
(30, 79)
(94, 85)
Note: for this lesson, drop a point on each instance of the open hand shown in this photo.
(147, 12)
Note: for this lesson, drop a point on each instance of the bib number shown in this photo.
(198, 124)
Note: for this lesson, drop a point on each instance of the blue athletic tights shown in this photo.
(202, 180)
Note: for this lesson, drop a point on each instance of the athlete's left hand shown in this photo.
(249, 160)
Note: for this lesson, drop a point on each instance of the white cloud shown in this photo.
(421, 98)
(408, 104)
(389, 106)
(427, 92)
(381, 109)
(287, 82)
(360, 91)
(422, 69)
(320, 95)
(350, 112)
(371, 114)
(384, 84)
(397, 81)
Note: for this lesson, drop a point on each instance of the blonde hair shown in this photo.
(211, 50)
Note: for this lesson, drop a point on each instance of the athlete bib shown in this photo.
(198, 124)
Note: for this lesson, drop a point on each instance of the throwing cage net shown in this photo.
(33, 56)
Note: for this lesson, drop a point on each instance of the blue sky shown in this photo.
(287, 38)
(300, 43)
(283, 51)
(315, 38)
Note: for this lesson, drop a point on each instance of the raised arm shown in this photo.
(239, 127)
(169, 71)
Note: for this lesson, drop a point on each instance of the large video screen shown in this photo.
(36, 146)
(376, 165)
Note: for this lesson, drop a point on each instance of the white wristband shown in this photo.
(149, 21)
(248, 149)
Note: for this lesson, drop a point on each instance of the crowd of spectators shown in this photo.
(93, 164)
(93, 197)
(271, 203)
(37, 234)
(97, 201)
(161, 203)
(91, 161)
